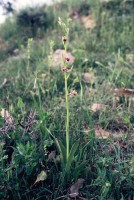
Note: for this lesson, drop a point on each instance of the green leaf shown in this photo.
(71, 155)
(62, 151)
(20, 103)
(41, 177)
(79, 169)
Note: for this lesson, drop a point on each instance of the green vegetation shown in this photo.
(67, 116)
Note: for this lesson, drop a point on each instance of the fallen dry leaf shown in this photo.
(123, 92)
(101, 133)
(87, 77)
(51, 156)
(97, 107)
(7, 117)
(75, 187)
(41, 177)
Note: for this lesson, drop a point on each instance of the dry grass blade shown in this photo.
(4, 82)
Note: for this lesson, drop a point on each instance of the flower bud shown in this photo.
(64, 39)
(66, 70)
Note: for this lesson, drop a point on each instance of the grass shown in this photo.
(55, 139)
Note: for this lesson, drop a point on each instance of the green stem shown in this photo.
(67, 118)
(67, 111)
